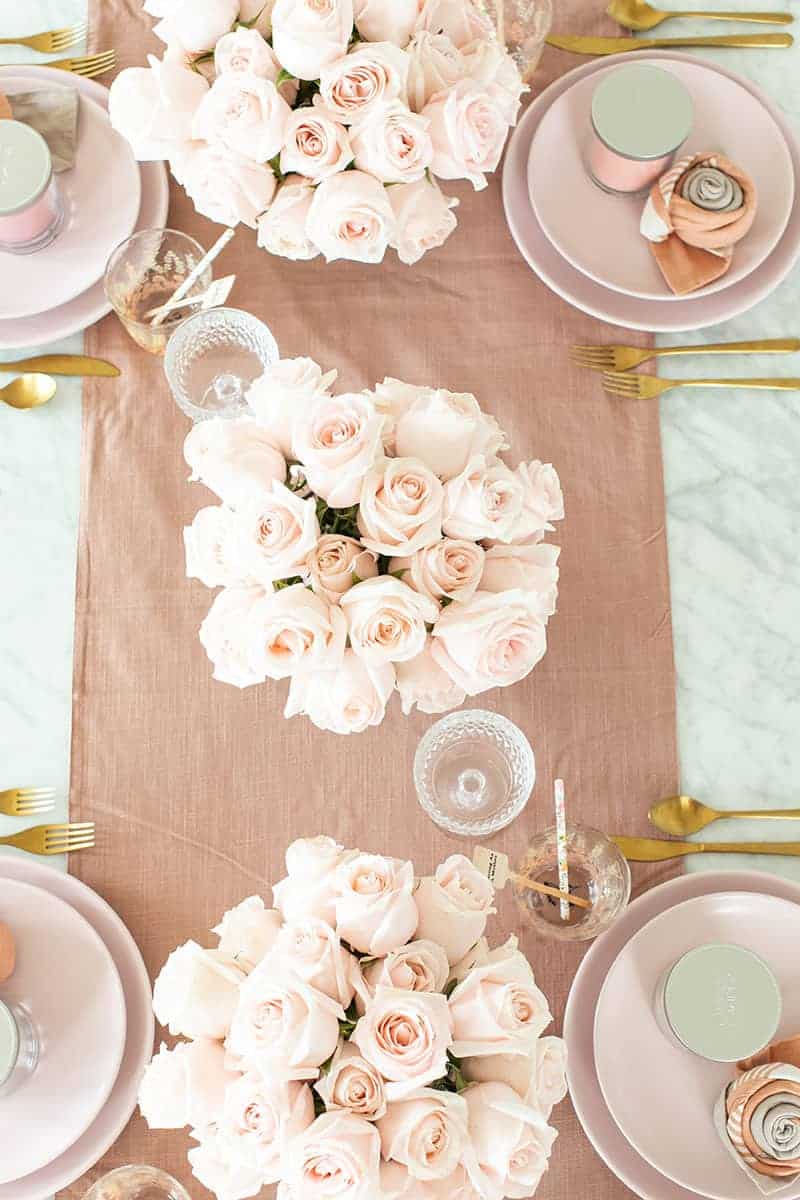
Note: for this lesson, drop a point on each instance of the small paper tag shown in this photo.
(216, 293)
(492, 864)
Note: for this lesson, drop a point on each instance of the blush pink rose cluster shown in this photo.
(323, 124)
(369, 542)
(358, 1040)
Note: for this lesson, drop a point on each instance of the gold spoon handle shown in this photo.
(777, 384)
(763, 40)
(767, 346)
(758, 18)
(787, 848)
(773, 814)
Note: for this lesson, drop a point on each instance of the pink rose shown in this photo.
(422, 681)
(245, 114)
(493, 640)
(225, 187)
(401, 507)
(459, 20)
(185, 1086)
(484, 501)
(419, 966)
(248, 931)
(346, 700)
(392, 398)
(196, 992)
(490, 65)
(406, 1035)
(538, 1077)
(245, 52)
(282, 228)
(309, 34)
(286, 390)
(337, 441)
(454, 906)
(435, 65)
(259, 12)
(277, 533)
(397, 1183)
(468, 130)
(426, 1132)
(423, 219)
(531, 568)
(312, 951)
(309, 887)
(337, 563)
(386, 20)
(351, 217)
(210, 544)
(458, 1186)
(337, 1158)
(152, 108)
(260, 1118)
(294, 630)
(353, 1084)
(315, 145)
(228, 1178)
(550, 1077)
(386, 620)
(194, 25)
(224, 635)
(375, 909)
(446, 430)
(283, 1027)
(542, 501)
(234, 457)
(357, 83)
(392, 143)
(512, 1141)
(449, 569)
(497, 1007)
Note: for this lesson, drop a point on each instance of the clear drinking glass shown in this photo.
(137, 1183)
(143, 272)
(214, 357)
(598, 872)
(19, 1046)
(474, 772)
(522, 25)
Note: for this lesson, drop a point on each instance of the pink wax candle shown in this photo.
(30, 205)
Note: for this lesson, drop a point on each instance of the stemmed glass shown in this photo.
(522, 25)
(213, 357)
(137, 1183)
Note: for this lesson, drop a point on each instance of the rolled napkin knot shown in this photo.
(695, 214)
(758, 1116)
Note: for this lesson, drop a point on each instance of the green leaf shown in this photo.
(451, 987)
(284, 76)
(279, 584)
(319, 1103)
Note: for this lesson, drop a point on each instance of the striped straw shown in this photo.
(561, 846)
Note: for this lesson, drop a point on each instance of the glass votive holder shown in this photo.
(598, 873)
(19, 1046)
(143, 273)
(213, 358)
(137, 1183)
(474, 772)
(31, 213)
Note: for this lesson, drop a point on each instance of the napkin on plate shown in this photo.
(758, 1118)
(54, 114)
(787, 1051)
(695, 214)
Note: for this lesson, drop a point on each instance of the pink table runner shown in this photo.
(196, 787)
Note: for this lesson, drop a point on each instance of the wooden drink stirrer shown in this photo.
(496, 867)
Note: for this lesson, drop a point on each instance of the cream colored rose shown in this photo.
(245, 51)
(542, 501)
(309, 887)
(194, 27)
(386, 20)
(511, 1140)
(458, 1186)
(224, 635)
(406, 1035)
(398, 1184)
(426, 1132)
(185, 1086)
(460, 20)
(277, 533)
(392, 143)
(348, 699)
(234, 457)
(312, 951)
(337, 1158)
(392, 398)
(197, 991)
(423, 218)
(538, 1076)
(550, 1077)
(468, 129)
(359, 82)
(210, 544)
(260, 1118)
(315, 145)
(375, 909)
(483, 501)
(419, 966)
(337, 563)
(353, 1084)
(454, 905)
(286, 390)
(435, 65)
(282, 228)
(531, 568)
(446, 430)
(351, 217)
(493, 640)
(223, 186)
(386, 620)
(153, 107)
(245, 114)
(338, 441)
(248, 931)
(401, 507)
(450, 569)
(422, 682)
(294, 630)
(215, 1168)
(488, 62)
(307, 35)
(497, 1008)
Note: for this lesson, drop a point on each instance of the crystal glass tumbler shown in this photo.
(137, 1183)
(214, 357)
(522, 25)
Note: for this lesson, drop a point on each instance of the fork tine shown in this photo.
(615, 388)
(74, 826)
(65, 846)
(95, 64)
(62, 39)
(590, 356)
(35, 793)
(26, 807)
(70, 839)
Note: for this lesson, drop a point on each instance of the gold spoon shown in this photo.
(28, 391)
(637, 14)
(680, 815)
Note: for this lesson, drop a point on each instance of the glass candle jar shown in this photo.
(31, 213)
(720, 1001)
(19, 1046)
(641, 115)
(137, 1183)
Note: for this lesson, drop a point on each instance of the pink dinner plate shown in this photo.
(111, 1120)
(675, 1092)
(599, 233)
(67, 980)
(83, 310)
(587, 1098)
(658, 316)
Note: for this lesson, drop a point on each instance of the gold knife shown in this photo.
(63, 364)
(645, 849)
(619, 45)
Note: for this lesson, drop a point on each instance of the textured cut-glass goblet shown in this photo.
(522, 25)
(213, 357)
(474, 772)
(137, 1183)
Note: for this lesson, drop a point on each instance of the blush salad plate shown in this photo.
(632, 312)
(92, 1144)
(587, 1098)
(598, 233)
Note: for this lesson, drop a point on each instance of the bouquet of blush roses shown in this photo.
(369, 541)
(359, 1040)
(323, 123)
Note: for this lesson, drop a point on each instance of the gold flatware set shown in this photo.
(640, 16)
(643, 849)
(647, 387)
(683, 815)
(43, 839)
(88, 65)
(54, 41)
(34, 388)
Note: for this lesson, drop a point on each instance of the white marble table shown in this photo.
(732, 464)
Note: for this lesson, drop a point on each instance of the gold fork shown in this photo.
(623, 358)
(52, 42)
(88, 66)
(53, 839)
(23, 802)
(647, 387)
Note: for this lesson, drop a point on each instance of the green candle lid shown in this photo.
(641, 111)
(25, 166)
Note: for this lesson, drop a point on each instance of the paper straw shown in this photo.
(194, 275)
(561, 846)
